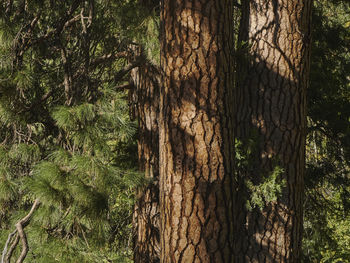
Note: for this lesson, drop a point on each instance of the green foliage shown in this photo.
(25, 153)
(73, 145)
(327, 181)
(326, 226)
(66, 136)
(270, 187)
(266, 192)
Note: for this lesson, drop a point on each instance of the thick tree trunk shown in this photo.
(196, 148)
(271, 127)
(146, 79)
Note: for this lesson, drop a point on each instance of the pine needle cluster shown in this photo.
(66, 136)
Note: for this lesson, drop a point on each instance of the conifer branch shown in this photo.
(57, 30)
(20, 225)
(71, 21)
(12, 248)
(126, 86)
(108, 58)
(8, 7)
(6, 245)
(121, 73)
(67, 76)
(28, 42)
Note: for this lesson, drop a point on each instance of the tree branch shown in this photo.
(6, 245)
(62, 25)
(126, 86)
(71, 21)
(121, 73)
(12, 248)
(20, 225)
(108, 58)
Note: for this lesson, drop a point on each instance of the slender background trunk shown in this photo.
(195, 132)
(146, 79)
(270, 120)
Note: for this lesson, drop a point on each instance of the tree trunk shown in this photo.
(196, 183)
(146, 79)
(270, 125)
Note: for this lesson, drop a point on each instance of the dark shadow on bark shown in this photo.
(266, 104)
(272, 92)
(270, 125)
(274, 215)
(145, 107)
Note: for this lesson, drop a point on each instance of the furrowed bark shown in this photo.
(196, 180)
(271, 112)
(146, 80)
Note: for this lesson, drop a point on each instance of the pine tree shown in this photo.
(270, 130)
(145, 94)
(326, 220)
(195, 132)
(66, 135)
(67, 146)
(144, 86)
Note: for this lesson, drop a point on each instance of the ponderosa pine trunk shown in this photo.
(196, 146)
(146, 80)
(271, 126)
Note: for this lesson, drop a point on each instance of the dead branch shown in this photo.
(6, 245)
(108, 58)
(123, 87)
(121, 73)
(69, 22)
(12, 248)
(20, 225)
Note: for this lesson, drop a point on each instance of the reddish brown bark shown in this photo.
(271, 111)
(195, 132)
(146, 81)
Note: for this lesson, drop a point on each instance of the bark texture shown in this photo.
(146, 79)
(271, 116)
(196, 180)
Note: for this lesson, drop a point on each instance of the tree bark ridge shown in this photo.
(196, 142)
(145, 96)
(271, 112)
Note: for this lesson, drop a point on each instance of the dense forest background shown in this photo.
(68, 134)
